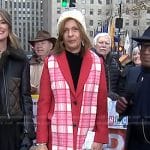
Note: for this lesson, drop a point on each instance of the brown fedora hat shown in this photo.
(145, 37)
(41, 36)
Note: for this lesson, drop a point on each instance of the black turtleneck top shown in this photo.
(74, 61)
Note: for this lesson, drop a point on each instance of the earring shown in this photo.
(82, 43)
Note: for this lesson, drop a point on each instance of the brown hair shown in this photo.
(12, 39)
(59, 46)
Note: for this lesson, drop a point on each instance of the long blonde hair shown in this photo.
(12, 39)
(59, 46)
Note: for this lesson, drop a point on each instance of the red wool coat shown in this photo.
(46, 102)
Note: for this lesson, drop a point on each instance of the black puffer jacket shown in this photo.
(113, 72)
(112, 69)
(15, 98)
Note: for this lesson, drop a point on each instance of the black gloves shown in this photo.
(26, 143)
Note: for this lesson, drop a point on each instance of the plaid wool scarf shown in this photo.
(61, 122)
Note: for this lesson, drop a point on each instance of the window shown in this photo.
(107, 12)
(107, 2)
(134, 33)
(19, 5)
(28, 4)
(135, 13)
(83, 11)
(99, 22)
(83, 1)
(58, 11)
(99, 2)
(91, 11)
(91, 22)
(91, 33)
(37, 23)
(10, 4)
(135, 23)
(136, 1)
(127, 11)
(99, 12)
(148, 22)
(99, 26)
(32, 5)
(91, 1)
(148, 10)
(24, 5)
(37, 6)
(127, 24)
(6, 3)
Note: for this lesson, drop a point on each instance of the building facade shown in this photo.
(27, 18)
(135, 14)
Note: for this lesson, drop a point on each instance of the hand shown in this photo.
(33, 90)
(121, 105)
(96, 146)
(41, 147)
(113, 96)
(26, 143)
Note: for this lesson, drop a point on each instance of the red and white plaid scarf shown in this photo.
(61, 122)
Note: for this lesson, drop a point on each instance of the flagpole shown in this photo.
(119, 27)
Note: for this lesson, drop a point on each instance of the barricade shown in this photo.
(117, 129)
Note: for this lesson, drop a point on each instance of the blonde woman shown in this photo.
(15, 100)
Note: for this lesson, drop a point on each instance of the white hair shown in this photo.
(100, 35)
(136, 50)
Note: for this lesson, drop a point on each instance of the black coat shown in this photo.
(112, 69)
(137, 91)
(15, 98)
(113, 72)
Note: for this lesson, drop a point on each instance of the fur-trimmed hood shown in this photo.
(17, 54)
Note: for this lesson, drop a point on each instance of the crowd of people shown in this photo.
(74, 78)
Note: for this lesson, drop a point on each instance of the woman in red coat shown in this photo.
(73, 93)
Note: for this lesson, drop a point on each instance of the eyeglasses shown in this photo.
(103, 42)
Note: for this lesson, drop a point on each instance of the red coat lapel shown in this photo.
(84, 72)
(63, 64)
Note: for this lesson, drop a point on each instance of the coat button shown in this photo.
(75, 102)
(74, 125)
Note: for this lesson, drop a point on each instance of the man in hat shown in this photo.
(42, 44)
(73, 92)
(136, 100)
